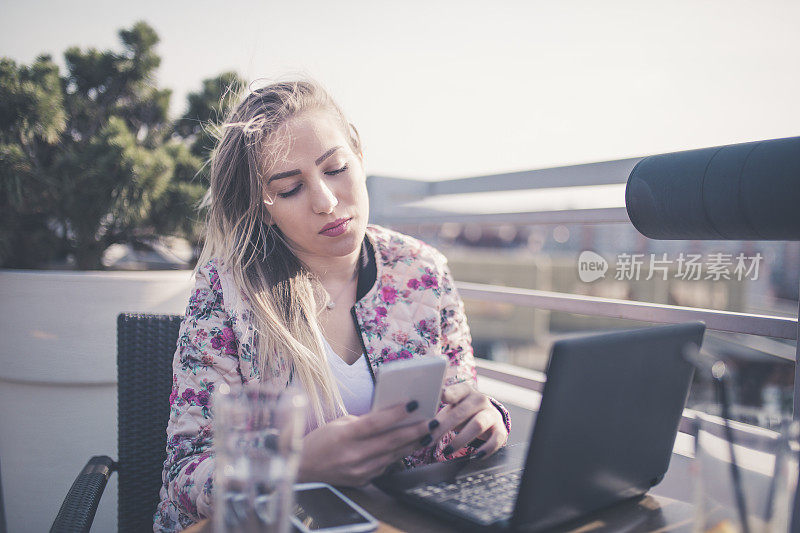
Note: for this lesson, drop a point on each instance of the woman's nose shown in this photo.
(323, 200)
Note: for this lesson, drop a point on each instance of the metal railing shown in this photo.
(751, 324)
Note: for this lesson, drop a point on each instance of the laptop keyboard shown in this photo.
(484, 497)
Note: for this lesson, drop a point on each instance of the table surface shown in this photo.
(663, 509)
(651, 513)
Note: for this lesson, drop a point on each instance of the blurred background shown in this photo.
(502, 133)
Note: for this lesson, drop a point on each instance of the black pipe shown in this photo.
(747, 191)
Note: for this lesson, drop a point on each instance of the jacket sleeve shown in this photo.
(456, 347)
(206, 356)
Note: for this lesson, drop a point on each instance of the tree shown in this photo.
(32, 120)
(206, 110)
(86, 160)
(198, 131)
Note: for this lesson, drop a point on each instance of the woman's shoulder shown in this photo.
(393, 247)
(209, 273)
(214, 275)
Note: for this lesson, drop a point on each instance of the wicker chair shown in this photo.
(145, 347)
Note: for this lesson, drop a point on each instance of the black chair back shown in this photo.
(145, 348)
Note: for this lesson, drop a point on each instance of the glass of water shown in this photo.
(258, 434)
(746, 469)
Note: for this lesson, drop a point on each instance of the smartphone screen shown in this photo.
(319, 508)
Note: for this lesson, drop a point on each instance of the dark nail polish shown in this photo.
(433, 424)
(447, 450)
(480, 455)
(412, 406)
(427, 439)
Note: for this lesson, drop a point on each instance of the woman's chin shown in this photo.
(346, 244)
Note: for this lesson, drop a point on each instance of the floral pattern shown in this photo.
(412, 310)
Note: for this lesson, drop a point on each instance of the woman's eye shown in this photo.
(337, 171)
(290, 192)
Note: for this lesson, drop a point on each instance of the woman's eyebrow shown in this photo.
(326, 155)
(295, 172)
(287, 174)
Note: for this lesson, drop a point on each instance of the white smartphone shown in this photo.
(320, 508)
(418, 379)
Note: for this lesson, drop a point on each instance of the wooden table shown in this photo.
(653, 513)
(662, 510)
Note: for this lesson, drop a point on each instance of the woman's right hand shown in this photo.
(352, 450)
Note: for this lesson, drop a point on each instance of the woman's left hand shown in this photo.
(473, 416)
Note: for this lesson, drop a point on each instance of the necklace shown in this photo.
(342, 346)
(331, 302)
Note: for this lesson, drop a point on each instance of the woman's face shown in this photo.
(319, 189)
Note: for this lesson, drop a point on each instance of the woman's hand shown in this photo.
(472, 416)
(352, 450)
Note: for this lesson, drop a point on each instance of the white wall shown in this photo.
(58, 393)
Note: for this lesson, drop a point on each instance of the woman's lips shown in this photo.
(335, 228)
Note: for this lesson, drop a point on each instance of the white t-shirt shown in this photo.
(355, 382)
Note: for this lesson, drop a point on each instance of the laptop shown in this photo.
(604, 433)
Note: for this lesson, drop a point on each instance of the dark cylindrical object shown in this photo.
(747, 191)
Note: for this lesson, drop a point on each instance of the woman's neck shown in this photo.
(333, 271)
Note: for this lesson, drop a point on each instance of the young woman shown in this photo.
(294, 286)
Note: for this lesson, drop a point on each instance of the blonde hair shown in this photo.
(280, 289)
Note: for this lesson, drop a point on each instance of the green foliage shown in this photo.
(90, 158)
(205, 111)
(185, 189)
(32, 119)
(194, 136)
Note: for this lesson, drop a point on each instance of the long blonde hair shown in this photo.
(280, 289)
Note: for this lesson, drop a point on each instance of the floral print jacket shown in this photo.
(407, 307)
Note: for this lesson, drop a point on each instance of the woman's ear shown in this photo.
(355, 140)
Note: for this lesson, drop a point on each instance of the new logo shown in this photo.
(591, 266)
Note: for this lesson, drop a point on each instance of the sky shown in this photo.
(447, 89)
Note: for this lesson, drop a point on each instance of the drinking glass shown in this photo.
(746, 469)
(258, 434)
